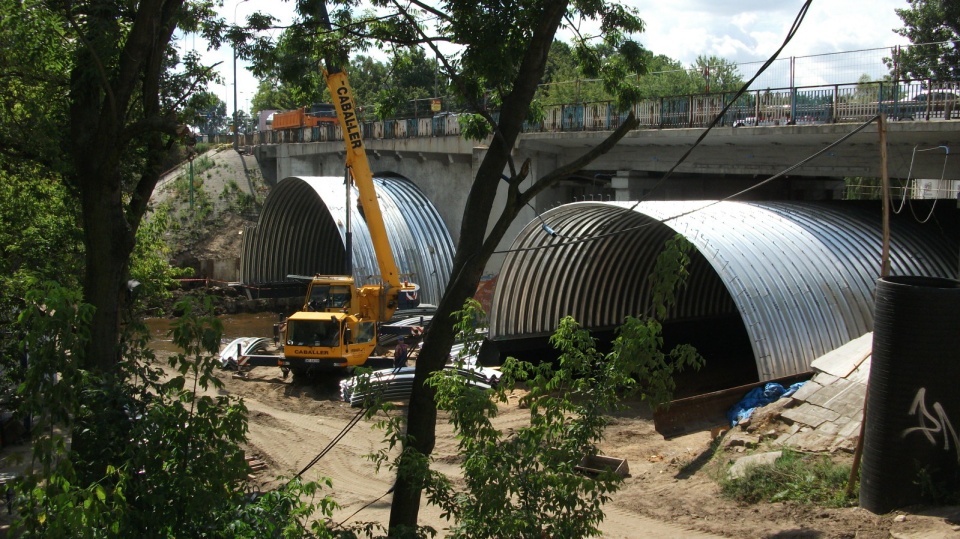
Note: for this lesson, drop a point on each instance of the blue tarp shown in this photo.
(759, 396)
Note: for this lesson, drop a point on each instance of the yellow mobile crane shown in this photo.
(339, 324)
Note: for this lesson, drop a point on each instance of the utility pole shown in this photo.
(236, 132)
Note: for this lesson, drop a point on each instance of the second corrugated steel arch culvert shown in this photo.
(800, 276)
(302, 230)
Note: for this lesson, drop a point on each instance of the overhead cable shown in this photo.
(793, 30)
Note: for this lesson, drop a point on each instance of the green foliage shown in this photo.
(281, 513)
(564, 80)
(34, 70)
(410, 75)
(712, 74)
(480, 70)
(241, 202)
(272, 95)
(632, 77)
(149, 263)
(474, 127)
(383, 89)
(207, 112)
(809, 479)
(526, 484)
(933, 26)
(860, 188)
(639, 340)
(192, 217)
(40, 237)
(164, 461)
(40, 240)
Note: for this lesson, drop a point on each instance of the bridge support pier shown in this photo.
(632, 184)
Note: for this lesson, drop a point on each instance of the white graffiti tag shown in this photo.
(931, 424)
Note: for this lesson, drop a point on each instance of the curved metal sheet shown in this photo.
(800, 276)
(302, 231)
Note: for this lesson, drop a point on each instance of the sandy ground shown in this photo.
(671, 490)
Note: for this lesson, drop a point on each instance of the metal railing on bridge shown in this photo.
(809, 105)
(786, 97)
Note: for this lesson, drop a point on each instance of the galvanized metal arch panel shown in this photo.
(599, 279)
(302, 231)
(801, 276)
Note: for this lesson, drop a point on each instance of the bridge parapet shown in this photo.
(805, 105)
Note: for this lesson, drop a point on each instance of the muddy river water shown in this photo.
(234, 325)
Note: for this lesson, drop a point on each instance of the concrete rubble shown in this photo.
(822, 416)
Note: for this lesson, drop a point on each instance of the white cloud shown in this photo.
(745, 31)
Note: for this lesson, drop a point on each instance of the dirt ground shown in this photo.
(671, 490)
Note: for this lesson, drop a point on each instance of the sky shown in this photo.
(738, 30)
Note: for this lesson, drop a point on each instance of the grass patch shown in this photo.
(810, 479)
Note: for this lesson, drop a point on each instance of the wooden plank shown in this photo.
(708, 411)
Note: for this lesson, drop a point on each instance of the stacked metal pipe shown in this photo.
(397, 384)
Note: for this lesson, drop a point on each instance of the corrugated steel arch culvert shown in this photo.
(800, 276)
(302, 228)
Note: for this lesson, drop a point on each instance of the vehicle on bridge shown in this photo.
(316, 115)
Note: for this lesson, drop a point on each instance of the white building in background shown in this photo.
(264, 120)
(929, 189)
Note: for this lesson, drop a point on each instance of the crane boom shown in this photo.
(359, 168)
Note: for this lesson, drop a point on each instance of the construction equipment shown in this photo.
(340, 322)
(316, 115)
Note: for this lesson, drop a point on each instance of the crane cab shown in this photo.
(327, 340)
(330, 293)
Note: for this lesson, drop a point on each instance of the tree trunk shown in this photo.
(108, 247)
(94, 143)
(114, 116)
(422, 412)
(473, 251)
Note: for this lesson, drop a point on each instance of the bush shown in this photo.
(811, 479)
(140, 452)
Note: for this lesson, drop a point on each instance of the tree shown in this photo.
(207, 112)
(564, 82)
(40, 241)
(502, 52)
(173, 466)
(525, 31)
(367, 77)
(867, 91)
(933, 26)
(381, 89)
(666, 77)
(95, 95)
(410, 76)
(272, 95)
(524, 482)
(714, 74)
(96, 90)
(122, 120)
(34, 71)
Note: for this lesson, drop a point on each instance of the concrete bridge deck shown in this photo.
(763, 150)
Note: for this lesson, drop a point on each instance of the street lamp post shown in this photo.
(236, 133)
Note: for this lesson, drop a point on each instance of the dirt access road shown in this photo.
(670, 493)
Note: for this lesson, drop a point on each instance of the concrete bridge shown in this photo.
(727, 161)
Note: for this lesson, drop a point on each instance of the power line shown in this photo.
(793, 30)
